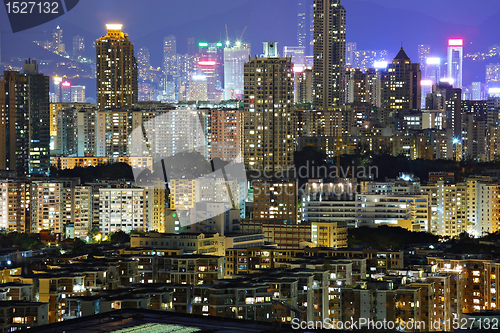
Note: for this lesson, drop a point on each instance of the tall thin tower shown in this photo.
(169, 55)
(455, 61)
(329, 54)
(301, 23)
(116, 72)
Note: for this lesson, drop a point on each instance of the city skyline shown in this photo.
(283, 30)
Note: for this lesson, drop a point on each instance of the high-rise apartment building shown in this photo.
(122, 209)
(82, 211)
(117, 84)
(234, 61)
(275, 200)
(66, 140)
(304, 86)
(111, 133)
(227, 133)
(445, 97)
(329, 54)
(455, 61)
(25, 121)
(401, 84)
(269, 141)
(15, 205)
(47, 206)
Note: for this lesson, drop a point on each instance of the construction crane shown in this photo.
(243, 33)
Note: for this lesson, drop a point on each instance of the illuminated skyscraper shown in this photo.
(493, 75)
(476, 91)
(298, 55)
(169, 56)
(234, 60)
(25, 121)
(78, 94)
(143, 63)
(351, 48)
(198, 88)
(207, 68)
(66, 92)
(269, 123)
(213, 52)
(329, 54)
(401, 84)
(424, 51)
(432, 70)
(78, 46)
(57, 40)
(455, 61)
(116, 69)
(301, 23)
(55, 97)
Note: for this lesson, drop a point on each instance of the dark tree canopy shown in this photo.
(394, 238)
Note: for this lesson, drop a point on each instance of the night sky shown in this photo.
(373, 24)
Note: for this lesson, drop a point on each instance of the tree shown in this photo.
(37, 245)
(78, 247)
(119, 237)
(95, 236)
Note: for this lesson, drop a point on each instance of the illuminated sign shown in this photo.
(207, 63)
(456, 42)
(114, 26)
(219, 44)
(202, 44)
(426, 82)
(57, 79)
(494, 91)
(66, 84)
(447, 80)
(433, 61)
(298, 68)
(380, 64)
